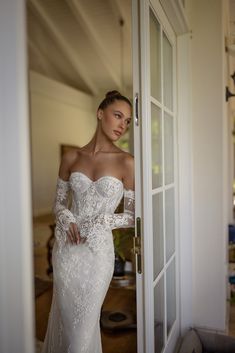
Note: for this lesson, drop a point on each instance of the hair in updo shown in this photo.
(112, 96)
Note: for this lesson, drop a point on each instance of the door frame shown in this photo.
(138, 170)
(16, 249)
(18, 321)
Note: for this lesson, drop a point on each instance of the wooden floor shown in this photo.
(232, 320)
(115, 300)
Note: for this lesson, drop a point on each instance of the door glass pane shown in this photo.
(155, 57)
(170, 296)
(168, 148)
(169, 222)
(159, 315)
(163, 119)
(158, 249)
(156, 131)
(167, 73)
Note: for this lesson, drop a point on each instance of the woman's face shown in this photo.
(115, 119)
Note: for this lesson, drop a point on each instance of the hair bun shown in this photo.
(112, 93)
(111, 97)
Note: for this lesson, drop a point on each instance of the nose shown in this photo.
(122, 124)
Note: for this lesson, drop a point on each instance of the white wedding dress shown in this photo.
(82, 272)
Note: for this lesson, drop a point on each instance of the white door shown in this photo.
(154, 56)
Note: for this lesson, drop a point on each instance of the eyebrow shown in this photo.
(118, 111)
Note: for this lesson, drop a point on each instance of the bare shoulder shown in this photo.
(128, 171)
(67, 160)
(125, 158)
(128, 161)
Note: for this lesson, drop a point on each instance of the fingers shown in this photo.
(70, 236)
(76, 234)
(73, 234)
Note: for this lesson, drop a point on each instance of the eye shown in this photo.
(128, 121)
(117, 115)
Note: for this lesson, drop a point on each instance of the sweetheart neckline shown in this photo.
(95, 181)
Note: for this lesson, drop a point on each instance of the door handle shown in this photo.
(137, 244)
(136, 105)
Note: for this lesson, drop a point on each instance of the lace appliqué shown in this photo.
(63, 215)
(82, 272)
(96, 231)
(127, 218)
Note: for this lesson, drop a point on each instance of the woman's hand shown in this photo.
(73, 234)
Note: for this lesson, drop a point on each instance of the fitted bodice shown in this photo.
(94, 197)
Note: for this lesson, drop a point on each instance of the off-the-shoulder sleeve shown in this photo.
(60, 207)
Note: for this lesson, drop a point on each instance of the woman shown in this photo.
(98, 176)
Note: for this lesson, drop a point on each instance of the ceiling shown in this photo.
(232, 17)
(81, 43)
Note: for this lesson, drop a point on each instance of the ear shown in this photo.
(99, 114)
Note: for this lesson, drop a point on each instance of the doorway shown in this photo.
(77, 51)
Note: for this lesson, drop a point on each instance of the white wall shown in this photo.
(185, 178)
(59, 115)
(209, 155)
(16, 298)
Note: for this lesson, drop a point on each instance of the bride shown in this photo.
(97, 176)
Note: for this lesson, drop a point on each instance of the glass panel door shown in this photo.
(156, 177)
(163, 181)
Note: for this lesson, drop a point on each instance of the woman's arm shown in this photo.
(127, 218)
(65, 220)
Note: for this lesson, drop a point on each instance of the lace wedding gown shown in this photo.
(82, 272)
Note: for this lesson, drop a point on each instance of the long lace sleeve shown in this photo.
(127, 218)
(112, 221)
(60, 208)
(93, 228)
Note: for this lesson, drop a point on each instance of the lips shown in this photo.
(118, 133)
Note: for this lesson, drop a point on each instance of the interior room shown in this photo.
(77, 51)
